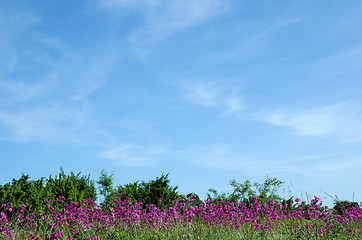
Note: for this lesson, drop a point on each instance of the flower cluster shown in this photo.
(86, 220)
(3, 229)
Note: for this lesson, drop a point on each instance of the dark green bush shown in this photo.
(74, 188)
(340, 206)
(34, 193)
(22, 191)
(157, 192)
(194, 199)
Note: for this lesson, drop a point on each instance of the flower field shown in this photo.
(183, 219)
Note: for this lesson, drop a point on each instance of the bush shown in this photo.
(157, 192)
(33, 193)
(340, 206)
(22, 191)
(74, 188)
(194, 199)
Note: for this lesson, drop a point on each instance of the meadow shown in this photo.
(120, 216)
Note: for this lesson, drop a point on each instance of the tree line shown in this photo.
(36, 194)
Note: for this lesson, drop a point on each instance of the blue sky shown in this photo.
(205, 90)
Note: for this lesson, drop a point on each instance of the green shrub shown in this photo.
(34, 193)
(22, 191)
(194, 199)
(157, 192)
(340, 206)
(74, 188)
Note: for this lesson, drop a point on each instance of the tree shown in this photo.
(265, 191)
(245, 191)
(105, 183)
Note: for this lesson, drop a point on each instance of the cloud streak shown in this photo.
(131, 155)
(339, 120)
(20, 91)
(226, 157)
(213, 94)
(47, 124)
(163, 18)
(341, 62)
(44, 92)
(254, 42)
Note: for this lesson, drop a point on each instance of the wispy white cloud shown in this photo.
(340, 120)
(117, 5)
(184, 13)
(44, 91)
(48, 100)
(323, 168)
(163, 18)
(94, 75)
(20, 91)
(223, 156)
(214, 94)
(134, 156)
(164, 15)
(54, 108)
(219, 155)
(337, 63)
(203, 93)
(252, 42)
(344, 55)
(26, 18)
(344, 167)
(233, 104)
(49, 124)
(11, 26)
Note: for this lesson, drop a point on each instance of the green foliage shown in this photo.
(34, 193)
(74, 188)
(194, 199)
(22, 191)
(265, 191)
(243, 192)
(340, 206)
(157, 192)
(292, 206)
(217, 197)
(105, 183)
